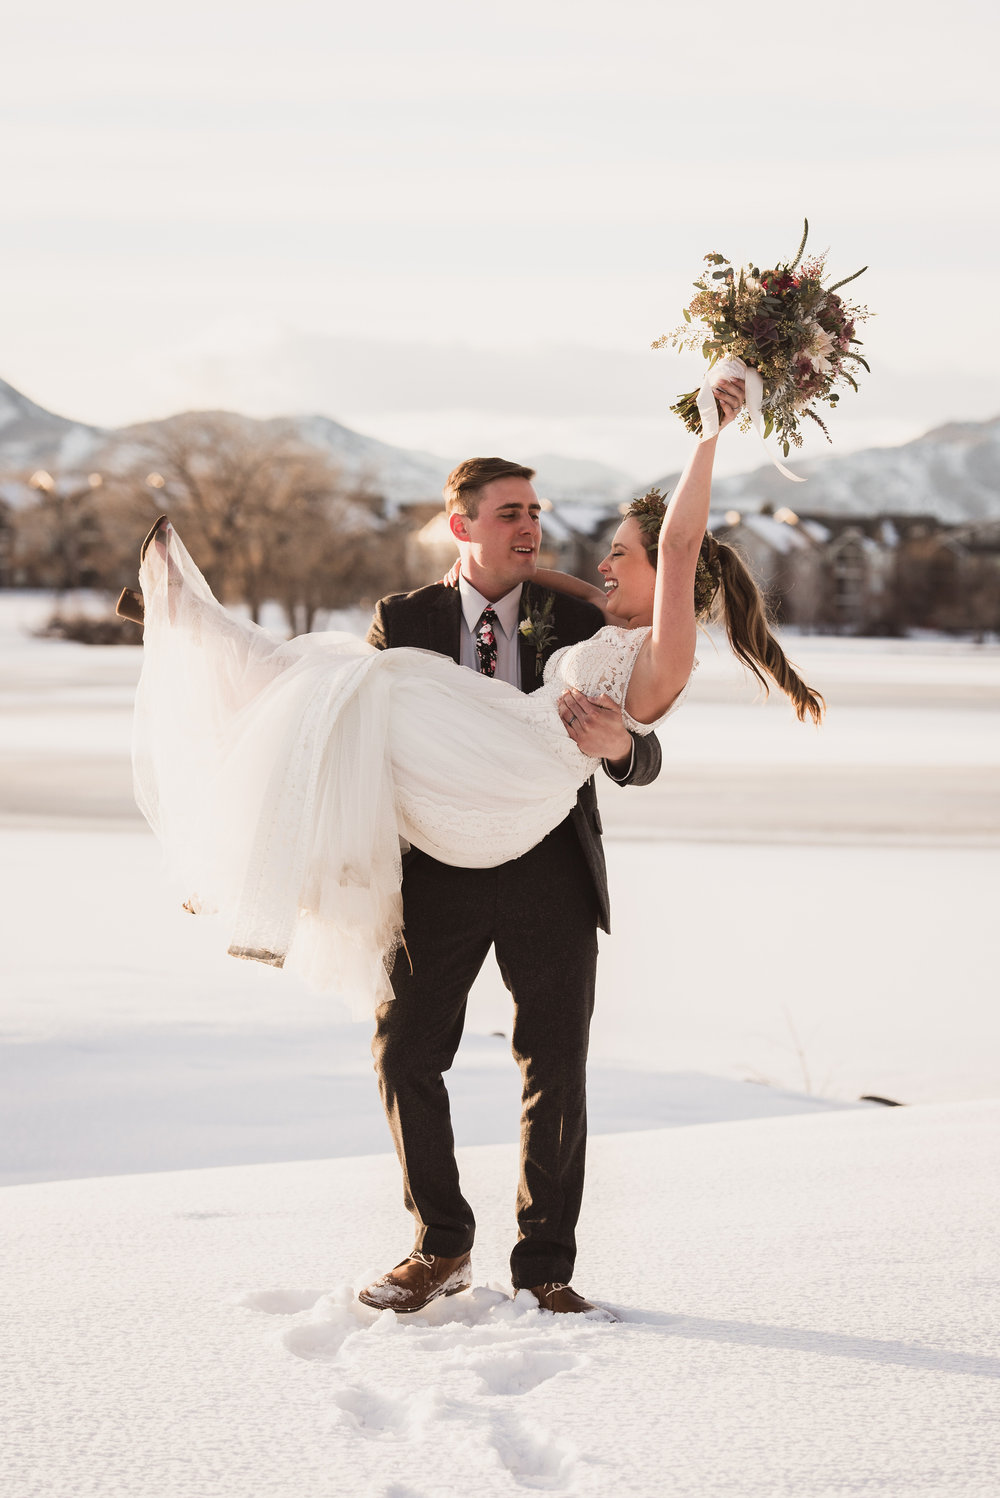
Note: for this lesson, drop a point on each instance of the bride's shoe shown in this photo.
(130, 604)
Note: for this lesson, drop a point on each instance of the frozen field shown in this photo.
(800, 918)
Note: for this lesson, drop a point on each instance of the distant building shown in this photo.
(857, 575)
(881, 574)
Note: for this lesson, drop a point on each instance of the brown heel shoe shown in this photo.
(130, 604)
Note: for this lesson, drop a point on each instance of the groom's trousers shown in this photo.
(540, 914)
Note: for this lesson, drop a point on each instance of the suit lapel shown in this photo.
(525, 647)
(444, 624)
(532, 601)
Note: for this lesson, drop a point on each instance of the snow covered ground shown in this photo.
(808, 1284)
(808, 1308)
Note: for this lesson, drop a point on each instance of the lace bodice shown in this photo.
(603, 665)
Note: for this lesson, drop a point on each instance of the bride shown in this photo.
(282, 777)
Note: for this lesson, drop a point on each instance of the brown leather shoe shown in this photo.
(417, 1281)
(563, 1299)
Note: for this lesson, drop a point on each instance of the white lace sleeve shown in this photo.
(634, 726)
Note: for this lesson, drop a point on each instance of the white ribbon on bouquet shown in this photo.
(735, 369)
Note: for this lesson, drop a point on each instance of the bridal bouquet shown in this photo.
(785, 324)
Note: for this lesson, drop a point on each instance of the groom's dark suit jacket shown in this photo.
(430, 619)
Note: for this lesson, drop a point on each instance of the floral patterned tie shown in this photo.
(486, 642)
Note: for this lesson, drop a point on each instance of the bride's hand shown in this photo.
(595, 725)
(729, 397)
(450, 579)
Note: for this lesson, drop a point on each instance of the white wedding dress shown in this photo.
(283, 778)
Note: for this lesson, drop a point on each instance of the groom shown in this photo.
(540, 913)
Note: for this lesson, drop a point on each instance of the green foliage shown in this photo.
(802, 245)
(848, 279)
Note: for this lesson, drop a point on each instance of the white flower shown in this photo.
(820, 343)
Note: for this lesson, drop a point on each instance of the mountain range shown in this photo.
(952, 472)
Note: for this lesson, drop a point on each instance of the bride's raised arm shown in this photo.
(667, 656)
(700, 579)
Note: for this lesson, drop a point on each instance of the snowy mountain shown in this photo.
(403, 475)
(31, 436)
(952, 472)
(580, 480)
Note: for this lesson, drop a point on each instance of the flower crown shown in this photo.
(649, 512)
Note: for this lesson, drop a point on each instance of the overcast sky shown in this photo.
(459, 228)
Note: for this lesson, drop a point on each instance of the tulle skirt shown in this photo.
(285, 778)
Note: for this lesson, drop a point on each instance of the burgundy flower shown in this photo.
(762, 331)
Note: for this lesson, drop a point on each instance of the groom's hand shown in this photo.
(595, 724)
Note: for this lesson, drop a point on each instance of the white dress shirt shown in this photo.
(507, 609)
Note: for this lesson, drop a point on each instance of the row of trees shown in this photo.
(266, 517)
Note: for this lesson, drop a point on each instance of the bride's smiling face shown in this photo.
(629, 576)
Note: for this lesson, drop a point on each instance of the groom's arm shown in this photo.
(377, 632)
(644, 765)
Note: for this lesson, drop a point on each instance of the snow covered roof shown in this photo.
(778, 534)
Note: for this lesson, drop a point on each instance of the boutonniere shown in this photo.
(537, 627)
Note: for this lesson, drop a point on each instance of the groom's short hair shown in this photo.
(462, 486)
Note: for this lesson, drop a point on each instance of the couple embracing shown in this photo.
(379, 814)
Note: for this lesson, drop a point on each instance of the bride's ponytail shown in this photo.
(738, 604)
(725, 592)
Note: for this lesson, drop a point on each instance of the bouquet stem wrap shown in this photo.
(735, 369)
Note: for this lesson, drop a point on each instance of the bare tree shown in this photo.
(265, 515)
(57, 541)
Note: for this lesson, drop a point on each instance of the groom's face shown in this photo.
(500, 545)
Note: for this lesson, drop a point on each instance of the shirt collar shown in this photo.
(507, 608)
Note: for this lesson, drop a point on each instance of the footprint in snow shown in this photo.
(373, 1414)
(501, 1342)
(320, 1339)
(410, 1415)
(519, 1372)
(533, 1460)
